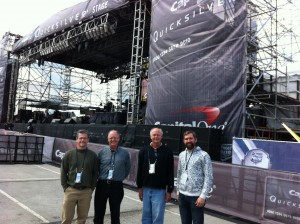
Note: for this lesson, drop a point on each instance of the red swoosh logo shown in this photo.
(212, 113)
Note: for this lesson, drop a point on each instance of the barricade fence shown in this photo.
(134, 136)
(255, 194)
(21, 149)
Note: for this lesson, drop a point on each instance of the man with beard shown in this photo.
(194, 180)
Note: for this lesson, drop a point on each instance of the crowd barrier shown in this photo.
(21, 149)
(255, 194)
(132, 136)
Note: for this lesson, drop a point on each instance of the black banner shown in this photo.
(197, 65)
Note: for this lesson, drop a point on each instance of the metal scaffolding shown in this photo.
(57, 86)
(269, 101)
(136, 62)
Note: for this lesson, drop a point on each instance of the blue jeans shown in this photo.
(154, 203)
(189, 211)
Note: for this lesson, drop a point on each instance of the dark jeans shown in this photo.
(114, 192)
(189, 212)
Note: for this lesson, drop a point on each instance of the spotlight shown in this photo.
(106, 28)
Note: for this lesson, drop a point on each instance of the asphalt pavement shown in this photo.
(32, 194)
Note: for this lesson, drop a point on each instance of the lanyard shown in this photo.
(83, 160)
(187, 162)
(155, 154)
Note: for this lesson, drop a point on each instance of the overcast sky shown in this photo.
(22, 16)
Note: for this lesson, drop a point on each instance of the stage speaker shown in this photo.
(25, 115)
(69, 121)
(171, 132)
(172, 138)
(143, 130)
(141, 141)
(173, 144)
(129, 136)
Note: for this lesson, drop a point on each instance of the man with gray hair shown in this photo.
(155, 178)
(114, 167)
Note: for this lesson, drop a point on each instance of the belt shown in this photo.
(111, 182)
(79, 187)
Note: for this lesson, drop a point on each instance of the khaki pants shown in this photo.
(76, 198)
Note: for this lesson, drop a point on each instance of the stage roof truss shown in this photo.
(99, 27)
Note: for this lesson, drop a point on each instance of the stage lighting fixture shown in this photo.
(107, 29)
(96, 32)
(88, 34)
(102, 32)
(112, 31)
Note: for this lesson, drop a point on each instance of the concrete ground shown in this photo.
(32, 194)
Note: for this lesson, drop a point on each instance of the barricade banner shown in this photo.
(276, 155)
(282, 200)
(257, 195)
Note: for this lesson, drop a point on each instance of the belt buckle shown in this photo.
(108, 181)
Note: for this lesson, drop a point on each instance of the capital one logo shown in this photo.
(178, 4)
(212, 113)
